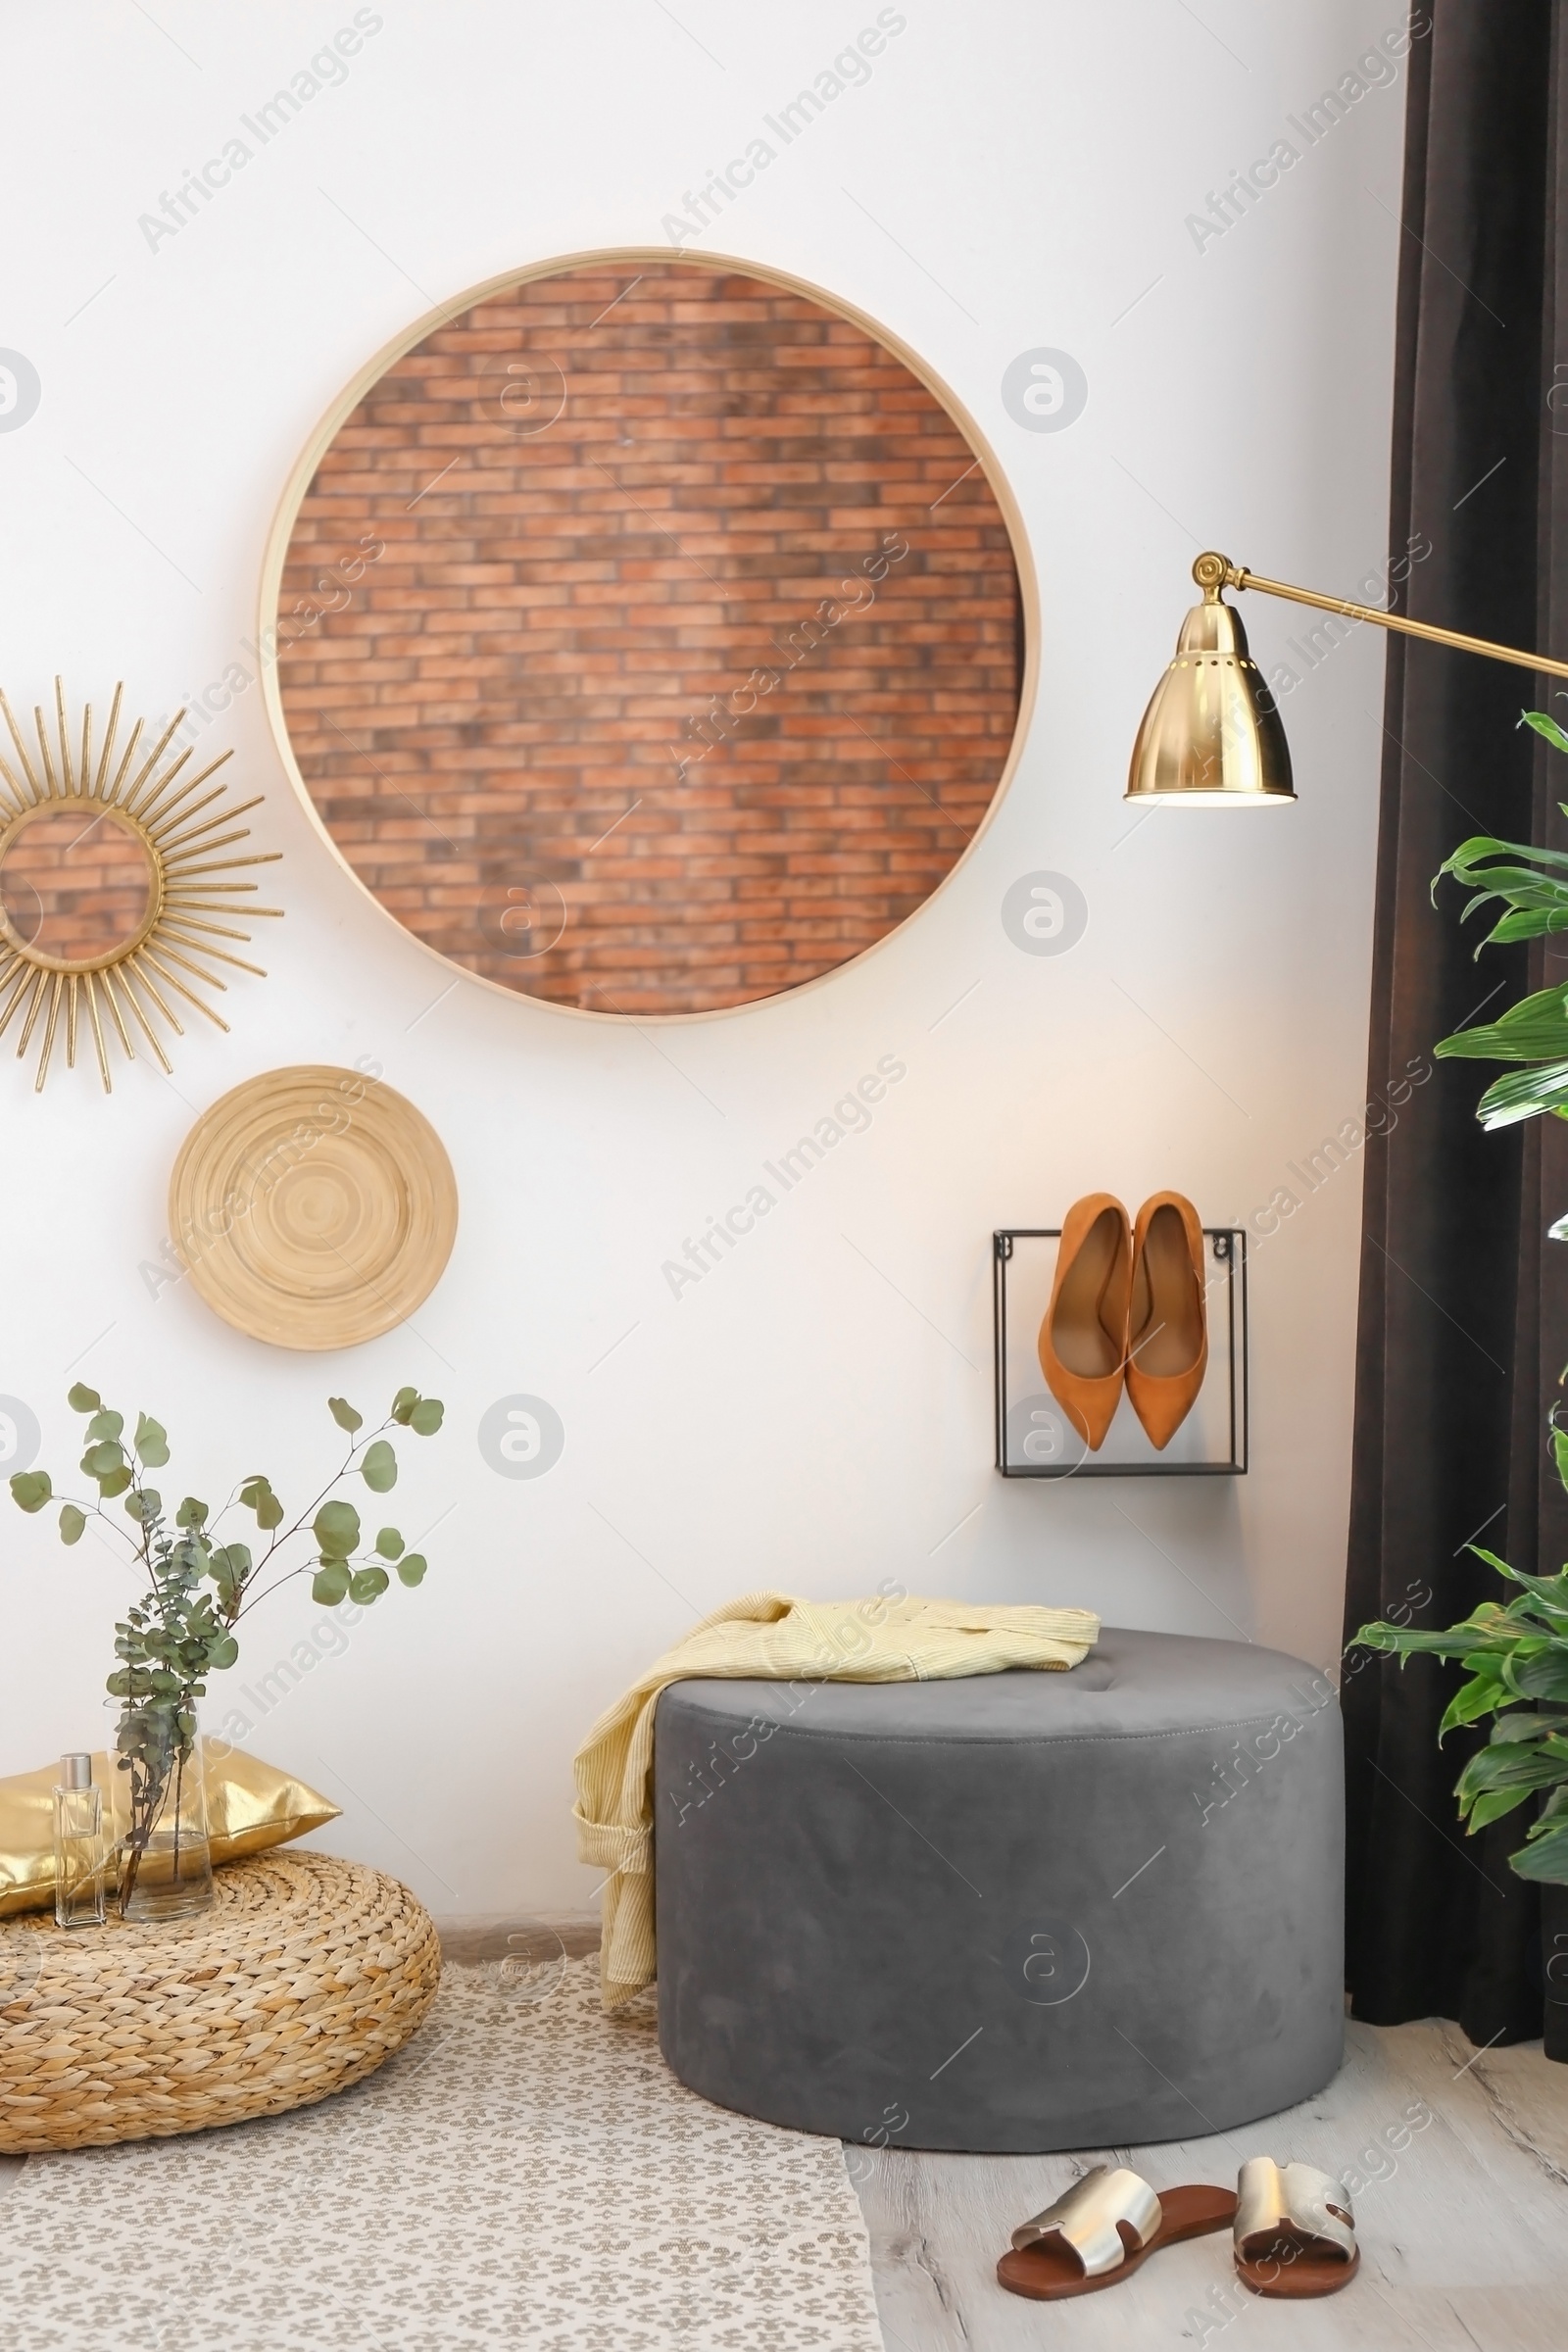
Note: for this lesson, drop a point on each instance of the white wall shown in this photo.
(805, 1418)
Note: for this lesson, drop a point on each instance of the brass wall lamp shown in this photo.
(1211, 737)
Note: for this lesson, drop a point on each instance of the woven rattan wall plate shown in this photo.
(313, 1207)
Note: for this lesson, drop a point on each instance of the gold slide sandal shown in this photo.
(1294, 2231)
(1104, 2228)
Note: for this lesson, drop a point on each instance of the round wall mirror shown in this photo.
(77, 887)
(118, 879)
(650, 635)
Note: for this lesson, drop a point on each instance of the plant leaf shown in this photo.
(1478, 1696)
(379, 1468)
(31, 1490)
(152, 1442)
(1551, 1590)
(366, 1585)
(330, 1583)
(72, 1523)
(1544, 726)
(1410, 1641)
(228, 1567)
(1525, 880)
(336, 1527)
(83, 1399)
(115, 1483)
(257, 1496)
(1495, 1658)
(1533, 1030)
(344, 1415)
(426, 1416)
(106, 1425)
(1531, 1647)
(103, 1459)
(1543, 1858)
(1539, 919)
(403, 1404)
(412, 1567)
(389, 1544)
(1507, 1767)
(1466, 866)
(224, 1653)
(1543, 1677)
(1525, 1094)
(1493, 1806)
(1526, 1723)
(191, 1513)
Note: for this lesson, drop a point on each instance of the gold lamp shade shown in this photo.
(1211, 736)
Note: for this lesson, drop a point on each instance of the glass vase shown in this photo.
(166, 1866)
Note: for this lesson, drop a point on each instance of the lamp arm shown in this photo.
(1213, 571)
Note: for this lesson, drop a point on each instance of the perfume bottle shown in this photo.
(80, 1854)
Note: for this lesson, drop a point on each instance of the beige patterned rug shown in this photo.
(528, 2173)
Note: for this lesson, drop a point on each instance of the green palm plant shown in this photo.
(1516, 1654)
(1532, 886)
(1517, 1660)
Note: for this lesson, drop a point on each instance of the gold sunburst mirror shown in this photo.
(110, 886)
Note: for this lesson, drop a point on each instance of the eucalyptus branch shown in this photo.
(197, 1589)
(135, 1556)
(288, 1577)
(315, 1505)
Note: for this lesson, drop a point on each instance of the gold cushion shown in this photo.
(250, 1806)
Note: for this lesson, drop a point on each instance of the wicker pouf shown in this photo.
(305, 1975)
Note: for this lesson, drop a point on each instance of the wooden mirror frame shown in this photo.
(298, 481)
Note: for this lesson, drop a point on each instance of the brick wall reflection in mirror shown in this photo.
(680, 654)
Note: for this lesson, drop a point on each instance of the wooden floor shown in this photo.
(1462, 2221)
(1457, 2164)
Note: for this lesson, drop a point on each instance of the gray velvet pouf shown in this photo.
(1013, 1913)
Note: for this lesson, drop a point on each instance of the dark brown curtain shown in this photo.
(1464, 1302)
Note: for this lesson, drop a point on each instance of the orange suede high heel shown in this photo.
(1167, 1349)
(1083, 1339)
